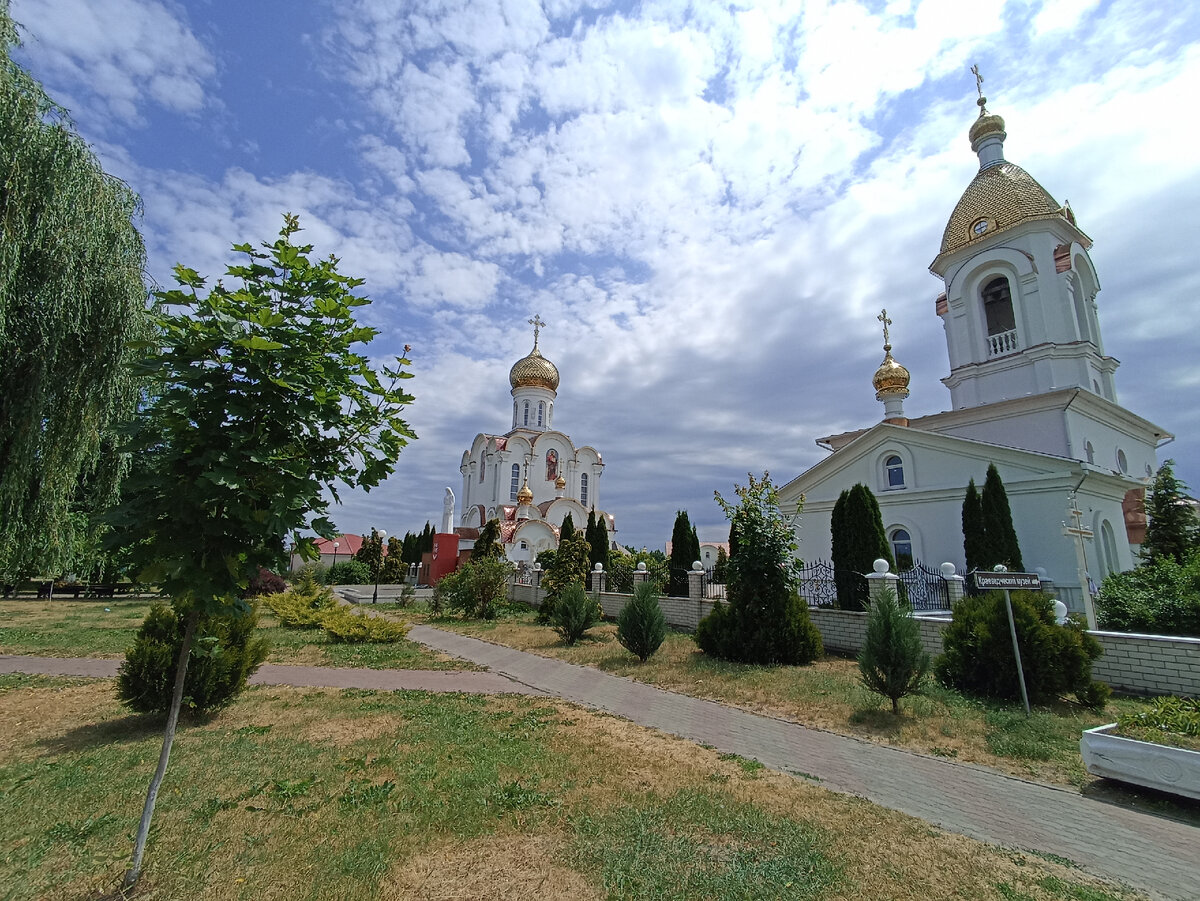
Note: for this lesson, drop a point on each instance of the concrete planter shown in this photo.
(1161, 767)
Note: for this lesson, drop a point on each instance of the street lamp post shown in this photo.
(379, 565)
(336, 545)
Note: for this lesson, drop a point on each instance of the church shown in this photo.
(533, 476)
(1031, 390)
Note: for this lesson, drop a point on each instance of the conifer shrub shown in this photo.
(641, 626)
(575, 613)
(348, 572)
(344, 626)
(1057, 660)
(303, 605)
(569, 567)
(225, 653)
(892, 663)
(765, 620)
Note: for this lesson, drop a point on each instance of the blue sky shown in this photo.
(708, 203)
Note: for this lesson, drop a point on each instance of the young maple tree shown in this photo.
(260, 407)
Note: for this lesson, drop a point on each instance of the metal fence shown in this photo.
(924, 589)
(821, 585)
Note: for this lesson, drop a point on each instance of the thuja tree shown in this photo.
(597, 537)
(1171, 531)
(71, 302)
(370, 553)
(488, 545)
(261, 406)
(567, 529)
(974, 539)
(858, 540)
(685, 550)
(1000, 538)
(569, 567)
(765, 620)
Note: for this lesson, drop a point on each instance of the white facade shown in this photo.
(532, 476)
(1031, 391)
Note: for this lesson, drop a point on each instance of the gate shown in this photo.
(924, 589)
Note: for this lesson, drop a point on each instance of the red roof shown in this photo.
(347, 544)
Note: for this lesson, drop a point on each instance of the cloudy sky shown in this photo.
(709, 203)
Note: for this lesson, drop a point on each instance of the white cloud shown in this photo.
(109, 59)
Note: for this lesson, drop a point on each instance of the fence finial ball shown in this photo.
(599, 567)
(642, 567)
(697, 566)
(999, 568)
(947, 569)
(880, 566)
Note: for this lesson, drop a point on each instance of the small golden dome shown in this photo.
(998, 198)
(890, 378)
(986, 124)
(525, 496)
(534, 371)
(560, 483)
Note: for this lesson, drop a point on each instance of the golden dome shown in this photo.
(525, 496)
(890, 378)
(998, 198)
(560, 483)
(534, 371)
(986, 124)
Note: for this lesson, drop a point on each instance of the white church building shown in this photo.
(533, 475)
(1031, 390)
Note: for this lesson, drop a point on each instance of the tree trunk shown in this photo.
(139, 846)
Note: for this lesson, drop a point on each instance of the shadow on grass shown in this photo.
(1143, 800)
(127, 729)
(878, 721)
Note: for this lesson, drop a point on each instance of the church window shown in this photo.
(551, 465)
(1090, 452)
(1108, 544)
(895, 471)
(524, 545)
(1096, 388)
(999, 316)
(526, 422)
(481, 466)
(583, 489)
(514, 414)
(514, 484)
(541, 414)
(902, 549)
(1122, 462)
(550, 416)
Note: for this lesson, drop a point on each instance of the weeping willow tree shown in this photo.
(71, 300)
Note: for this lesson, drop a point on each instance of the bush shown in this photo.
(266, 582)
(344, 626)
(1161, 598)
(303, 606)
(225, 652)
(641, 626)
(569, 567)
(979, 657)
(575, 613)
(477, 588)
(1170, 721)
(765, 621)
(348, 572)
(892, 662)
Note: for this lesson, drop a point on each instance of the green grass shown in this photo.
(106, 628)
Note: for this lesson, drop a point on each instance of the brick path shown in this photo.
(1151, 853)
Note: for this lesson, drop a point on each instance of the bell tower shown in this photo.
(1019, 308)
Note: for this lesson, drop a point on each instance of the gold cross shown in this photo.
(538, 325)
(883, 317)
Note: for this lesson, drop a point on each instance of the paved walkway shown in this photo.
(1148, 852)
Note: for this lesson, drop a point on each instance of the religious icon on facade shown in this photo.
(551, 465)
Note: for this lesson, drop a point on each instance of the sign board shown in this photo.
(1028, 581)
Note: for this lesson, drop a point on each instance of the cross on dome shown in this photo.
(883, 317)
(538, 325)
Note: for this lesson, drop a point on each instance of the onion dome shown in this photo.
(890, 378)
(534, 370)
(986, 125)
(525, 495)
(560, 483)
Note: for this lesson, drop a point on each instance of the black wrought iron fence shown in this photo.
(925, 589)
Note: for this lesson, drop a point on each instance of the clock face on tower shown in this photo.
(980, 227)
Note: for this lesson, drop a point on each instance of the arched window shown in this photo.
(902, 550)
(1108, 544)
(481, 465)
(1122, 463)
(526, 422)
(1090, 452)
(550, 416)
(999, 316)
(583, 489)
(541, 413)
(514, 484)
(894, 468)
